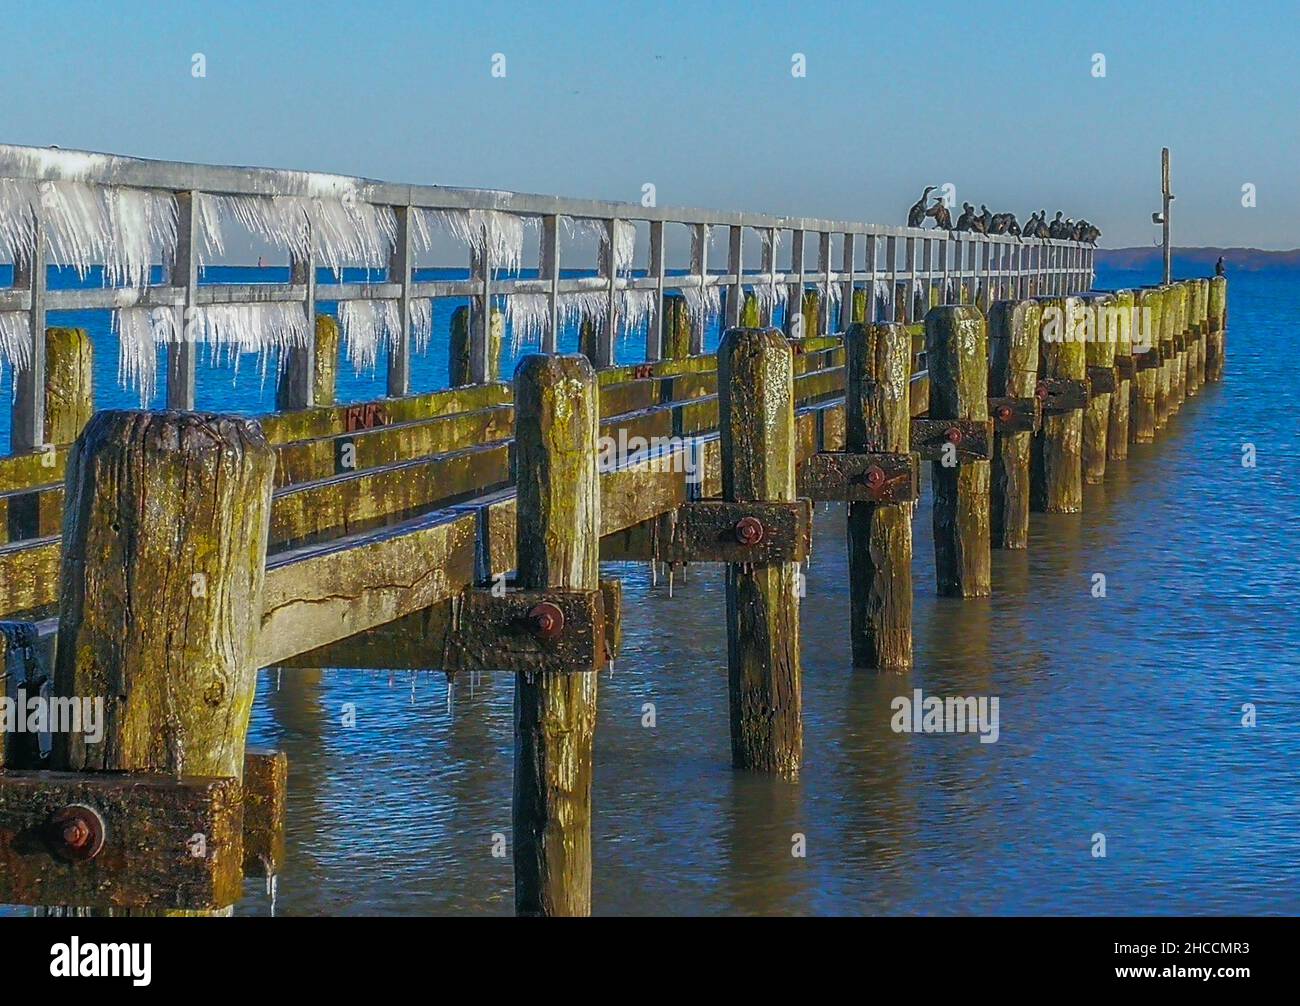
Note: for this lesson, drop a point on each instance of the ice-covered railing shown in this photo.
(127, 215)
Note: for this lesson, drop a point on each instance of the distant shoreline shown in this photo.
(1241, 259)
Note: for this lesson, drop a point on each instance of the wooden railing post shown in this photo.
(676, 328)
(1013, 373)
(27, 431)
(558, 545)
(1056, 480)
(878, 419)
(164, 556)
(1178, 372)
(956, 348)
(756, 422)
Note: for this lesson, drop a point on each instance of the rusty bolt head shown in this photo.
(875, 477)
(77, 832)
(749, 531)
(546, 620)
(953, 435)
(1005, 413)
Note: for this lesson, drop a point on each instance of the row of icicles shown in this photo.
(128, 231)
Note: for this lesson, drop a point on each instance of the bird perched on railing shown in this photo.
(1056, 229)
(966, 222)
(985, 220)
(939, 211)
(917, 214)
(1218, 267)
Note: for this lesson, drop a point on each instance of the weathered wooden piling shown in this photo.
(1165, 376)
(164, 553)
(289, 392)
(676, 328)
(956, 347)
(749, 312)
(1100, 334)
(878, 419)
(1178, 372)
(1014, 327)
(1145, 336)
(811, 309)
(756, 423)
(1056, 464)
(557, 411)
(861, 304)
(1196, 345)
(1217, 328)
(1120, 402)
(69, 383)
(462, 351)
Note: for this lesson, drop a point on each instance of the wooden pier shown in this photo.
(157, 560)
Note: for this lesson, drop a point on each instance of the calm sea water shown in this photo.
(1119, 715)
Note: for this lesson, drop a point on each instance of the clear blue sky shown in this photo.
(698, 98)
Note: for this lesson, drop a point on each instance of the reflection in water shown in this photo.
(1118, 715)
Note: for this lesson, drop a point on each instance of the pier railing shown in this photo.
(834, 257)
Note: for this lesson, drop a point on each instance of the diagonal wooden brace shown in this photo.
(128, 840)
(972, 438)
(749, 532)
(866, 477)
(527, 631)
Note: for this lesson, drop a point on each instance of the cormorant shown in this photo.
(1218, 267)
(916, 215)
(966, 221)
(1056, 229)
(939, 210)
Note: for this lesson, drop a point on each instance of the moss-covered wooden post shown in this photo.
(459, 368)
(878, 419)
(558, 546)
(325, 371)
(1056, 462)
(1100, 332)
(1014, 326)
(861, 303)
(1165, 376)
(1200, 290)
(956, 348)
(1117, 431)
(1146, 383)
(1217, 329)
(676, 328)
(811, 309)
(69, 383)
(160, 603)
(1178, 371)
(756, 422)
(749, 312)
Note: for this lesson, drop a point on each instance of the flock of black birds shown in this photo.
(985, 222)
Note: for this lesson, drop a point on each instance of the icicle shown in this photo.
(364, 323)
(499, 234)
(529, 316)
(142, 230)
(15, 338)
(140, 330)
(17, 225)
(702, 304)
(624, 245)
(421, 322)
(342, 231)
